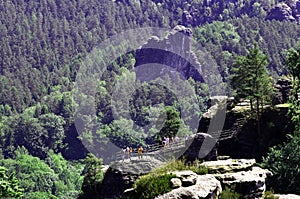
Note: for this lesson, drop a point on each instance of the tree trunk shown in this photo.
(259, 137)
(251, 105)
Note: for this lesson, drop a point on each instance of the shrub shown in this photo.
(152, 185)
(229, 193)
(180, 165)
(270, 195)
(284, 162)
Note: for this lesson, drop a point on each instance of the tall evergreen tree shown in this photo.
(250, 80)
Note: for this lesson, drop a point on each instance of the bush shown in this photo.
(270, 195)
(152, 185)
(229, 193)
(180, 165)
(284, 162)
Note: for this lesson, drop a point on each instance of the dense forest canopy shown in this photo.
(43, 44)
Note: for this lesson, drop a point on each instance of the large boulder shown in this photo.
(200, 146)
(288, 196)
(171, 55)
(229, 166)
(283, 93)
(281, 12)
(188, 178)
(206, 187)
(121, 176)
(250, 183)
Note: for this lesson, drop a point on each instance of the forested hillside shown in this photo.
(44, 42)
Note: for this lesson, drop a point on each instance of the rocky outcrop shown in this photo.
(187, 18)
(205, 187)
(284, 88)
(288, 196)
(251, 183)
(283, 11)
(229, 165)
(121, 176)
(240, 175)
(172, 55)
(201, 146)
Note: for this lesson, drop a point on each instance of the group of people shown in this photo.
(127, 152)
(166, 141)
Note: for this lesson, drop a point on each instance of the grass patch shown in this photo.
(181, 165)
(270, 195)
(152, 185)
(158, 181)
(229, 193)
(287, 105)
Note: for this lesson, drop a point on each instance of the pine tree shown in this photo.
(250, 80)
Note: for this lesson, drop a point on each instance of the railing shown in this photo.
(157, 150)
(162, 152)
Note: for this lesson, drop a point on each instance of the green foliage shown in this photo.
(39, 195)
(93, 176)
(151, 185)
(229, 193)
(284, 162)
(9, 185)
(181, 165)
(270, 195)
(59, 179)
(292, 61)
(172, 123)
(250, 77)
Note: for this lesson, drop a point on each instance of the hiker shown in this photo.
(172, 140)
(140, 152)
(176, 139)
(130, 152)
(127, 152)
(167, 140)
(123, 154)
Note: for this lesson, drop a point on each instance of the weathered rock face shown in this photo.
(205, 187)
(250, 183)
(121, 176)
(283, 11)
(240, 175)
(171, 55)
(229, 165)
(201, 146)
(284, 88)
(187, 18)
(288, 196)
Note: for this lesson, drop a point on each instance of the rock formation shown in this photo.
(171, 55)
(205, 187)
(284, 88)
(121, 176)
(283, 11)
(251, 183)
(201, 146)
(229, 165)
(240, 175)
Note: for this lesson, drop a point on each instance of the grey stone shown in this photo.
(188, 178)
(288, 196)
(251, 183)
(207, 187)
(120, 176)
(176, 183)
(229, 165)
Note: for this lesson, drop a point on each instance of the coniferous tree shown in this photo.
(250, 80)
